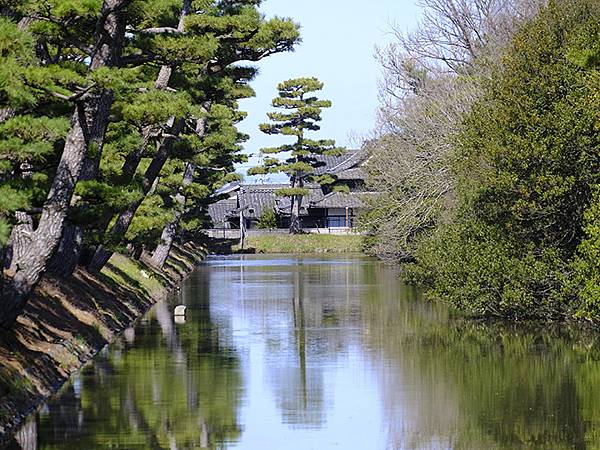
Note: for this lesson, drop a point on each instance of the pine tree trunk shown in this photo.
(19, 240)
(6, 113)
(162, 250)
(295, 225)
(133, 159)
(161, 253)
(68, 253)
(27, 436)
(88, 124)
(122, 223)
(31, 264)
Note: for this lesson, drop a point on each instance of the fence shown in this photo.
(229, 233)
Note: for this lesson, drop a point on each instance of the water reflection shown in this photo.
(314, 352)
(160, 387)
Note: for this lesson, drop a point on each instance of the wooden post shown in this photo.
(242, 229)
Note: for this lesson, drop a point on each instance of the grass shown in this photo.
(304, 243)
(128, 272)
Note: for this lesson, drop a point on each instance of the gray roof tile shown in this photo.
(218, 211)
(340, 200)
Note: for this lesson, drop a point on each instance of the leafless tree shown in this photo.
(454, 36)
(431, 78)
(409, 165)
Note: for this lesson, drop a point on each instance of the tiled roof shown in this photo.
(328, 163)
(340, 200)
(315, 194)
(227, 188)
(218, 211)
(257, 198)
(346, 166)
(352, 159)
(355, 173)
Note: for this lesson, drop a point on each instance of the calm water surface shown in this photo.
(287, 353)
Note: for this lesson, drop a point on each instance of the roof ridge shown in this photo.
(352, 152)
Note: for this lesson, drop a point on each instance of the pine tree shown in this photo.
(301, 112)
(102, 81)
(219, 141)
(241, 34)
(78, 72)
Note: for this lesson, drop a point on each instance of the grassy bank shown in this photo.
(303, 243)
(70, 320)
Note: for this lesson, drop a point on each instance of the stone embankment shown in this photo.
(69, 320)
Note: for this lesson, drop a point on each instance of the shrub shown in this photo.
(268, 219)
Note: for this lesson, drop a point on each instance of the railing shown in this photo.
(234, 233)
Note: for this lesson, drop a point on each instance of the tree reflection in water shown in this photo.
(448, 382)
(173, 387)
(326, 352)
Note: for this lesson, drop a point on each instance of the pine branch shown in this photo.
(80, 95)
(157, 30)
(138, 60)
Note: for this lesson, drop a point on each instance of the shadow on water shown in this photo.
(325, 352)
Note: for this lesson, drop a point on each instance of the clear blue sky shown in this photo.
(338, 41)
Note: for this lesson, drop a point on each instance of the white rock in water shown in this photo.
(180, 310)
(179, 320)
(129, 335)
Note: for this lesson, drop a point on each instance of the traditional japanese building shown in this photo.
(321, 208)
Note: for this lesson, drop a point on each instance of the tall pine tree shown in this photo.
(92, 56)
(301, 112)
(97, 91)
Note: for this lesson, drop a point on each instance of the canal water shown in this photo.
(313, 352)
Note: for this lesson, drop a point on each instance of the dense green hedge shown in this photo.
(524, 236)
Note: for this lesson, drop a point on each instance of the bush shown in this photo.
(475, 268)
(268, 219)
(587, 264)
(524, 240)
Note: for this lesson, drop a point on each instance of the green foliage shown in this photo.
(527, 162)
(532, 145)
(341, 188)
(477, 268)
(16, 54)
(290, 192)
(137, 100)
(28, 138)
(301, 112)
(150, 219)
(156, 106)
(267, 220)
(587, 263)
(205, 83)
(28, 142)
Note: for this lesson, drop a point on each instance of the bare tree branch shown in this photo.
(431, 78)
